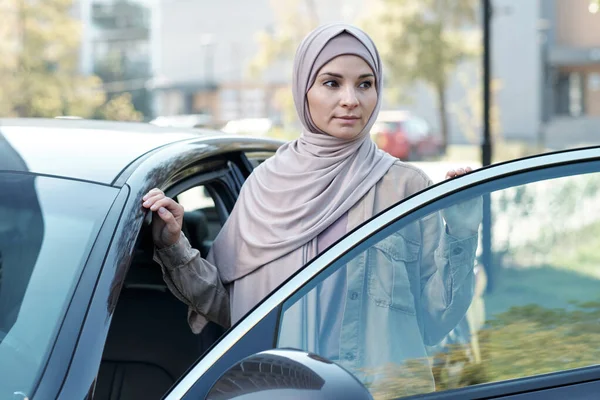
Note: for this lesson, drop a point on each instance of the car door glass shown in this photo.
(414, 310)
(48, 226)
(201, 220)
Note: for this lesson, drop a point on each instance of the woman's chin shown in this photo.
(345, 133)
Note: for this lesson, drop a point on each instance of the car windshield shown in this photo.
(47, 228)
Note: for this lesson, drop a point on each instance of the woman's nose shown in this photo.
(349, 97)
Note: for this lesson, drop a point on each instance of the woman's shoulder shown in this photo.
(403, 171)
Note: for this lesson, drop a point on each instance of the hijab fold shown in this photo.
(312, 181)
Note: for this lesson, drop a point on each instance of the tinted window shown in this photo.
(47, 227)
(413, 311)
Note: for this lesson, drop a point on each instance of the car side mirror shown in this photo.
(290, 374)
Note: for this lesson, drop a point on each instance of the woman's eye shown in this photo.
(331, 84)
(366, 85)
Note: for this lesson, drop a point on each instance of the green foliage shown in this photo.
(424, 41)
(521, 342)
(120, 108)
(39, 55)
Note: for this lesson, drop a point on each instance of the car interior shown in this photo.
(150, 345)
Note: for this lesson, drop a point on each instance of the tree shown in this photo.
(468, 111)
(425, 41)
(294, 19)
(119, 108)
(39, 54)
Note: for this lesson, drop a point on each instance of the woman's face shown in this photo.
(343, 97)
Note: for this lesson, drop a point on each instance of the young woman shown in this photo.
(314, 190)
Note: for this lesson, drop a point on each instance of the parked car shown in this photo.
(249, 126)
(184, 121)
(85, 313)
(406, 136)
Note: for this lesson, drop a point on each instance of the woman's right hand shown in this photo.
(167, 218)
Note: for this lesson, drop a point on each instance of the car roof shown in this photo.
(89, 150)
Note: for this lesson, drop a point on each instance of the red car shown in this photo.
(405, 136)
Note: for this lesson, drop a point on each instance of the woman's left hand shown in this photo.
(463, 219)
(453, 173)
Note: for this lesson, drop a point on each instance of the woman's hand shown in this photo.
(453, 173)
(167, 218)
(463, 219)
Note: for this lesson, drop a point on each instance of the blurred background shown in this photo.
(227, 64)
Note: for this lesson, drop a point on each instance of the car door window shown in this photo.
(150, 344)
(414, 310)
(532, 309)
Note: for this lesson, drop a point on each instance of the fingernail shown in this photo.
(146, 203)
(162, 210)
(145, 198)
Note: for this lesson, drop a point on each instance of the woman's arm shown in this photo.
(196, 282)
(447, 278)
(193, 280)
(449, 243)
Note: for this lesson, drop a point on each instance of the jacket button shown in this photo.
(354, 296)
(457, 251)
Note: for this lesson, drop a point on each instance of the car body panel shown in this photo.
(95, 152)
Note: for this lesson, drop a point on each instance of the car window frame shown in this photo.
(254, 158)
(223, 197)
(350, 245)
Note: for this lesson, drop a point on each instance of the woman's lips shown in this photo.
(348, 120)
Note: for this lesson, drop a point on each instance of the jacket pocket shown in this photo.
(388, 280)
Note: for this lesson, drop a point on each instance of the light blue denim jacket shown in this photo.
(406, 292)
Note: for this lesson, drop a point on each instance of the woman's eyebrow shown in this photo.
(332, 74)
(369, 75)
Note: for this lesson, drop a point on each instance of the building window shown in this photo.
(575, 95)
(569, 94)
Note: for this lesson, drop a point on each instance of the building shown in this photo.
(571, 60)
(118, 46)
(546, 56)
(183, 57)
(205, 50)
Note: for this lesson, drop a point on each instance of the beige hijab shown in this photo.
(312, 181)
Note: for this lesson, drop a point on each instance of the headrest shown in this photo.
(196, 226)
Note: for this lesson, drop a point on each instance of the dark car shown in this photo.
(85, 313)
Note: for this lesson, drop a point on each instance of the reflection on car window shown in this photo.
(415, 312)
(195, 198)
(47, 227)
(201, 222)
